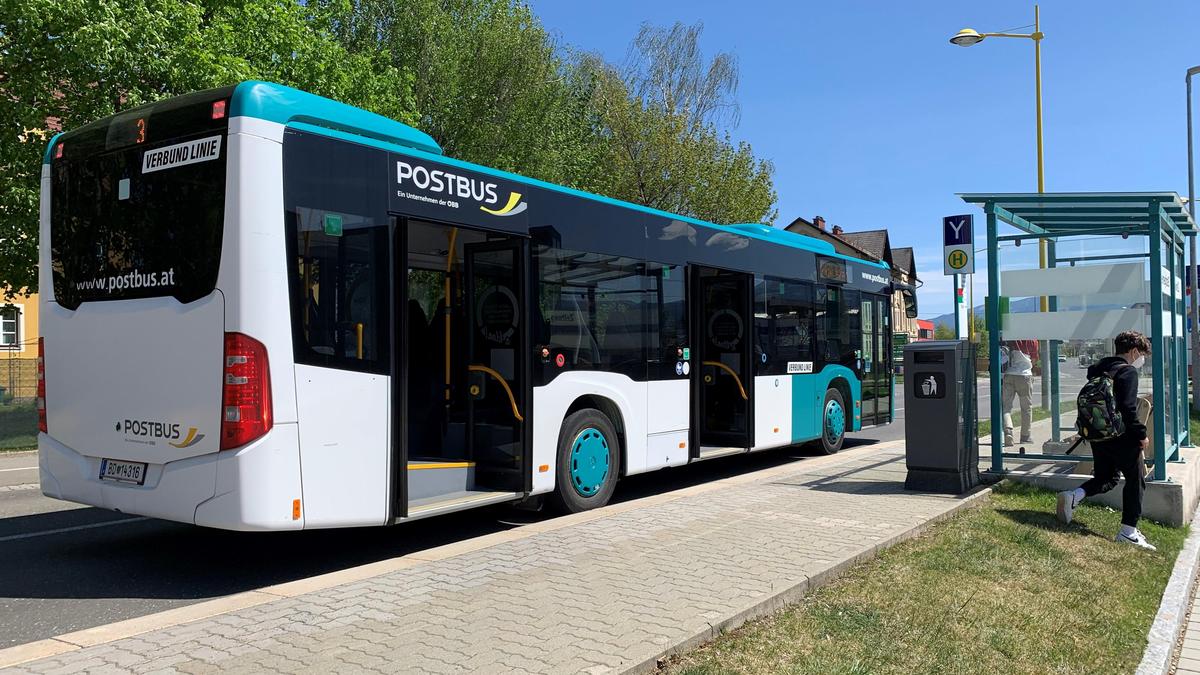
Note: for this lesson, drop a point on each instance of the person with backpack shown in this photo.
(1016, 364)
(1108, 419)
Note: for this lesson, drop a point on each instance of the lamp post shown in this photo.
(1192, 246)
(968, 37)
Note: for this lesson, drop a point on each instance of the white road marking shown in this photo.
(75, 528)
(20, 468)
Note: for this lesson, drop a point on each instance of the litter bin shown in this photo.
(940, 436)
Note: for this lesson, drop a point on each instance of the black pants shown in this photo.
(1113, 457)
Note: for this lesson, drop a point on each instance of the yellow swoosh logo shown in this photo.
(191, 438)
(513, 199)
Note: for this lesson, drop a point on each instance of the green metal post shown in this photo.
(1156, 337)
(993, 328)
(1176, 410)
(1055, 413)
(1181, 359)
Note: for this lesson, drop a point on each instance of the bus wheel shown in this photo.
(588, 459)
(833, 422)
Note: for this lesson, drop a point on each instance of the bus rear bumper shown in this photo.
(256, 487)
(170, 491)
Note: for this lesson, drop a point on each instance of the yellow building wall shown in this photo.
(18, 368)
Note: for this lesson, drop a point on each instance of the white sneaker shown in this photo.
(1066, 506)
(1136, 539)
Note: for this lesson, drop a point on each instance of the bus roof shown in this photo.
(300, 109)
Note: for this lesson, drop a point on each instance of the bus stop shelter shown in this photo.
(1114, 262)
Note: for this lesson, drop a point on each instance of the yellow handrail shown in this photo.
(511, 399)
(358, 329)
(729, 370)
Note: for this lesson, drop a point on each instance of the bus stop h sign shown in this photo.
(958, 251)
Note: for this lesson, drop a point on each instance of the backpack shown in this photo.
(1099, 419)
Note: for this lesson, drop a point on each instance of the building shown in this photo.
(924, 329)
(870, 245)
(18, 347)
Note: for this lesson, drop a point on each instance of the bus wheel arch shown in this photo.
(588, 460)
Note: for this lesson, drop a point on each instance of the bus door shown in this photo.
(875, 358)
(883, 350)
(496, 362)
(723, 377)
(461, 347)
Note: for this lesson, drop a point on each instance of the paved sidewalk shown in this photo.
(1187, 657)
(608, 590)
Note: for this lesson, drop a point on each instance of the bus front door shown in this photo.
(723, 379)
(496, 362)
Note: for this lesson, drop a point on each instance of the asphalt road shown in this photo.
(65, 567)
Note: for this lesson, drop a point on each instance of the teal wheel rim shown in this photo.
(835, 422)
(589, 462)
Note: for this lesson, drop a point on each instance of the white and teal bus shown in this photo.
(266, 310)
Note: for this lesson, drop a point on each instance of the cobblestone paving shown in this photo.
(598, 596)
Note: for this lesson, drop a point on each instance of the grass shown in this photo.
(18, 427)
(1193, 425)
(1039, 413)
(1003, 588)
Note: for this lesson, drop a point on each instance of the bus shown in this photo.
(266, 310)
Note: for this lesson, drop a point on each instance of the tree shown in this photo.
(660, 114)
(78, 60)
(490, 84)
(944, 332)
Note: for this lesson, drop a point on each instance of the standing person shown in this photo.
(1017, 381)
(1122, 454)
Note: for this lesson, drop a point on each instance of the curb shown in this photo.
(787, 596)
(106, 633)
(1173, 610)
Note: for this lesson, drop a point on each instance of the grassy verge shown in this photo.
(1002, 588)
(1039, 413)
(1193, 425)
(18, 427)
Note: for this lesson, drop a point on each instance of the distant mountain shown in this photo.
(1022, 305)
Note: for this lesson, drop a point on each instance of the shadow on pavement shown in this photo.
(153, 559)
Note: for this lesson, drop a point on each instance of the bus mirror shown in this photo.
(910, 302)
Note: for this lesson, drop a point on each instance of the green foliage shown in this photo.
(489, 83)
(944, 332)
(483, 77)
(79, 60)
(660, 116)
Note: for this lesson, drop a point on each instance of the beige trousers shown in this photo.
(1020, 386)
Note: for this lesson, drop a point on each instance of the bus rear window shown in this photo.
(138, 222)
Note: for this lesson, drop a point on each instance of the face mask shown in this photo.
(1139, 361)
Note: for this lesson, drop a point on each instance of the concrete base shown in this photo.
(1171, 502)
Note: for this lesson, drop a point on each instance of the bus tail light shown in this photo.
(41, 385)
(246, 394)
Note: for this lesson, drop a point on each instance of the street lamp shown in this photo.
(968, 37)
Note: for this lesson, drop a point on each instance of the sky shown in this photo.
(873, 119)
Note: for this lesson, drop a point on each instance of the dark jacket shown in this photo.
(1125, 391)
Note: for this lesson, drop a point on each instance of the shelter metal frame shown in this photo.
(1163, 220)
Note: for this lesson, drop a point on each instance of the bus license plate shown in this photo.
(125, 472)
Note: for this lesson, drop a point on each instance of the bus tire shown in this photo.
(833, 422)
(589, 455)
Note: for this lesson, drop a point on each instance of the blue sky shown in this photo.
(873, 119)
